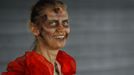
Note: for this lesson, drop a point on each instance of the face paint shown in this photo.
(55, 30)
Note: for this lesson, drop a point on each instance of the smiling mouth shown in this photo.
(59, 37)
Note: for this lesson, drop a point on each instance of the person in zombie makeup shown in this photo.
(49, 24)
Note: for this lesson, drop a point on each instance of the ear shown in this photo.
(34, 29)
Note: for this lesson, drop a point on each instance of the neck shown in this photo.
(50, 55)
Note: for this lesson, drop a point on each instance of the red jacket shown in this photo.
(33, 63)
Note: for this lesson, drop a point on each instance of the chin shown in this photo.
(58, 45)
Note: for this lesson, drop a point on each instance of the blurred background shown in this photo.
(101, 39)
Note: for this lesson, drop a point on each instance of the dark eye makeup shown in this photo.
(55, 23)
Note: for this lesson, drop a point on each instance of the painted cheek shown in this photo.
(68, 30)
(49, 31)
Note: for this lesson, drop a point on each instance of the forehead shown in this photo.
(56, 13)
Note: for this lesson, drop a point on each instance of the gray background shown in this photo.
(101, 39)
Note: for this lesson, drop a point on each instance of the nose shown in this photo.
(60, 28)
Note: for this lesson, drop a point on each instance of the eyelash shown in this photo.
(65, 23)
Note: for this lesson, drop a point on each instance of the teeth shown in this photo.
(59, 37)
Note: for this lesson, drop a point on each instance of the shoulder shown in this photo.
(67, 62)
(17, 64)
(63, 54)
(15, 67)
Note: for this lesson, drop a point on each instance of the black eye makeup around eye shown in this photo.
(53, 22)
(65, 23)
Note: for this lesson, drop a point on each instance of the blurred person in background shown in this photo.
(49, 24)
